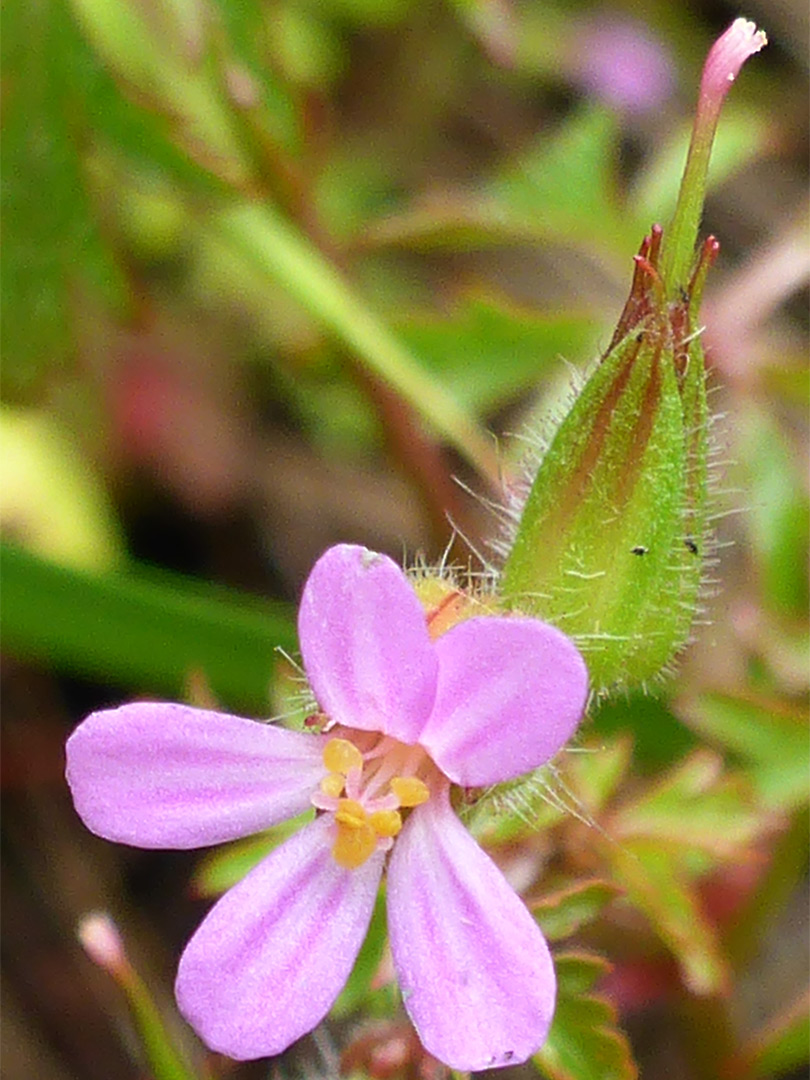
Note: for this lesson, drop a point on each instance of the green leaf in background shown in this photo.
(568, 181)
(655, 883)
(145, 630)
(779, 512)
(227, 865)
(596, 771)
(164, 56)
(659, 737)
(52, 246)
(261, 235)
(563, 913)
(579, 971)
(560, 190)
(488, 351)
(781, 1046)
(51, 499)
(585, 1042)
(251, 32)
(770, 738)
(695, 807)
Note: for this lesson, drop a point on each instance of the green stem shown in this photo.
(165, 1062)
(680, 238)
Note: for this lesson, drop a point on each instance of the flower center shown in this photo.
(370, 780)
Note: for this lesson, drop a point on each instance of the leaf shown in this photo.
(659, 737)
(44, 194)
(595, 772)
(656, 884)
(563, 913)
(166, 61)
(584, 1042)
(143, 630)
(458, 221)
(579, 971)
(488, 351)
(560, 191)
(770, 737)
(262, 236)
(778, 515)
(226, 866)
(569, 179)
(248, 26)
(780, 1046)
(51, 497)
(696, 806)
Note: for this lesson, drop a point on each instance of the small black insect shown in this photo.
(691, 545)
(639, 550)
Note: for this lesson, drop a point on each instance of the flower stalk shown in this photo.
(101, 940)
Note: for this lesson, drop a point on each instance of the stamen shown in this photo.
(332, 784)
(366, 791)
(340, 756)
(409, 790)
(354, 845)
(385, 823)
(350, 813)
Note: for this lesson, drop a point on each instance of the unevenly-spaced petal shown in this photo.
(510, 693)
(273, 954)
(475, 972)
(365, 643)
(157, 775)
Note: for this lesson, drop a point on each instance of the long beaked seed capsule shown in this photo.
(610, 543)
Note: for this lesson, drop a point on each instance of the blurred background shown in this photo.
(281, 273)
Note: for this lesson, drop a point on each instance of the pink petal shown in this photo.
(157, 775)
(474, 969)
(511, 692)
(365, 644)
(273, 954)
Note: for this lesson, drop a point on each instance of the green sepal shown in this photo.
(610, 542)
(593, 549)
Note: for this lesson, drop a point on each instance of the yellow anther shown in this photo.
(385, 823)
(332, 784)
(340, 756)
(351, 814)
(410, 791)
(354, 846)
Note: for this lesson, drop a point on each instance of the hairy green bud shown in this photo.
(611, 540)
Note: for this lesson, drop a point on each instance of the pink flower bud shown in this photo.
(726, 57)
(100, 939)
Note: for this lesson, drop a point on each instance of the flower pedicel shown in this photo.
(408, 717)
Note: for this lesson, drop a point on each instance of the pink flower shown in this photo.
(408, 717)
